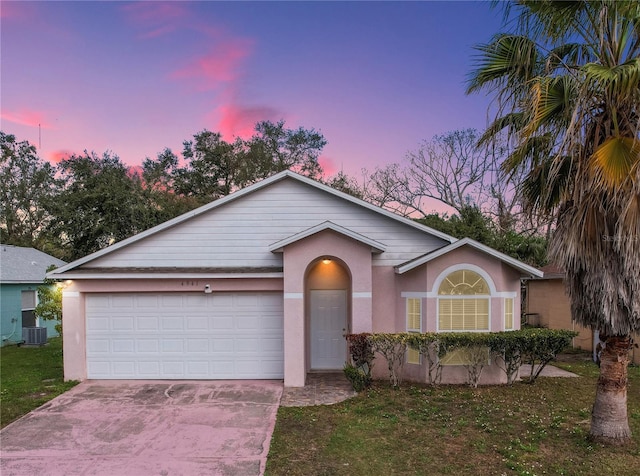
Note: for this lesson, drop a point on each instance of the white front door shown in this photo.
(328, 327)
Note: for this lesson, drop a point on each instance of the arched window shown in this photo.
(463, 302)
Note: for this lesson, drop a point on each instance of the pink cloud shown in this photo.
(26, 117)
(328, 166)
(156, 18)
(16, 10)
(222, 65)
(58, 155)
(237, 121)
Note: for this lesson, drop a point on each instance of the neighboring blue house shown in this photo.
(22, 270)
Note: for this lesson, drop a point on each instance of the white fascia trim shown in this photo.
(514, 263)
(71, 275)
(376, 246)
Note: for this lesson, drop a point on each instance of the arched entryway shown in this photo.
(327, 293)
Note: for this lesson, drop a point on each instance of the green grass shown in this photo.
(520, 430)
(29, 377)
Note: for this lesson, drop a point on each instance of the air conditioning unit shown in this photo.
(34, 335)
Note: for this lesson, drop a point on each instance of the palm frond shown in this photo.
(546, 184)
(507, 59)
(512, 122)
(565, 56)
(615, 160)
(624, 78)
(530, 153)
(550, 98)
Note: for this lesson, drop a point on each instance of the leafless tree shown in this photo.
(455, 170)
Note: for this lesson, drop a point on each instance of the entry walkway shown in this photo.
(322, 388)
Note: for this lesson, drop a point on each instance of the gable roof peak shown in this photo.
(524, 268)
(285, 174)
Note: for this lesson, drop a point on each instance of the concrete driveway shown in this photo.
(146, 428)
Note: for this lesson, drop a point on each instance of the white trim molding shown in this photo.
(363, 295)
(524, 269)
(466, 267)
(294, 295)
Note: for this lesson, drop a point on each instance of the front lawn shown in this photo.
(29, 377)
(520, 430)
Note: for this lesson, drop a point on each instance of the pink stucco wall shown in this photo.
(424, 280)
(375, 302)
(74, 340)
(355, 257)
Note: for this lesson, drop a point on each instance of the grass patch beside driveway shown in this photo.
(30, 377)
(520, 430)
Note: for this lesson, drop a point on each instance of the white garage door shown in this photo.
(185, 336)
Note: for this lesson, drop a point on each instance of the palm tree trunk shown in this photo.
(609, 422)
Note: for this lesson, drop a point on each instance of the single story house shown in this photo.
(547, 305)
(266, 282)
(22, 271)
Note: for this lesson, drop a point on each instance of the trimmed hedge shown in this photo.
(536, 347)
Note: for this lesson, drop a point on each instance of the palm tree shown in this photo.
(566, 88)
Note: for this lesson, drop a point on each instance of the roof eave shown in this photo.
(524, 269)
(93, 276)
(376, 246)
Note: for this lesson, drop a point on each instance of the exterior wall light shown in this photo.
(326, 261)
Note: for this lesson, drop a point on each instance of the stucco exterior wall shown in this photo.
(355, 257)
(424, 281)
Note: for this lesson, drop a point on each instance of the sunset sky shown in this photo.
(375, 78)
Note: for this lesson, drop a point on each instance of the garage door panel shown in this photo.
(147, 323)
(125, 301)
(185, 335)
(197, 346)
(225, 322)
(148, 369)
(147, 346)
(198, 323)
(122, 323)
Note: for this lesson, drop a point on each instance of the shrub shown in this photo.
(361, 352)
(540, 346)
(393, 348)
(359, 371)
(358, 378)
(507, 345)
(536, 347)
(429, 347)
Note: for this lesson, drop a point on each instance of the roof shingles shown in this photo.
(24, 265)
